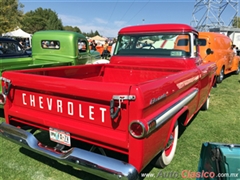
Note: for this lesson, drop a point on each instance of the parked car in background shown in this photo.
(219, 161)
(225, 58)
(221, 52)
(10, 48)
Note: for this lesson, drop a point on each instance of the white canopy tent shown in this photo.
(99, 39)
(19, 33)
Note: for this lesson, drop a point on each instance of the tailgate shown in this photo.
(77, 106)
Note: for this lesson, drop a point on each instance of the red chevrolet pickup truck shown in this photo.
(112, 119)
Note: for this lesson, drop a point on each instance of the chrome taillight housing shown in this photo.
(137, 129)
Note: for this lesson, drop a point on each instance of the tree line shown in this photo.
(12, 16)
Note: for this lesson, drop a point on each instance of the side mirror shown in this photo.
(209, 51)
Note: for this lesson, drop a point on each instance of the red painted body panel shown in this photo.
(151, 28)
(77, 99)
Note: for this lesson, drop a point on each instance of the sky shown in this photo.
(109, 16)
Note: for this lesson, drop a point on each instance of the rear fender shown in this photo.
(236, 61)
(220, 64)
(174, 120)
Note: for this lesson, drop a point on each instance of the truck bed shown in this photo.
(106, 73)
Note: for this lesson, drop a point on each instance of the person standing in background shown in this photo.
(93, 45)
(21, 43)
(105, 50)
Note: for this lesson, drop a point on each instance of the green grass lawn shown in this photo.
(219, 124)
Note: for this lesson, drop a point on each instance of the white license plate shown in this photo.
(59, 136)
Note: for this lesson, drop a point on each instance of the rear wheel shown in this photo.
(168, 153)
(221, 76)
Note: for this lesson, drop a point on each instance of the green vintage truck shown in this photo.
(49, 49)
(62, 46)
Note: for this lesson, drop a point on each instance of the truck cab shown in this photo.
(63, 46)
(154, 45)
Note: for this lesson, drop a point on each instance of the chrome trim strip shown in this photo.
(169, 112)
(93, 163)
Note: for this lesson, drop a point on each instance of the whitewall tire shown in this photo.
(168, 153)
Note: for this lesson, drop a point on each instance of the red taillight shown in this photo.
(137, 129)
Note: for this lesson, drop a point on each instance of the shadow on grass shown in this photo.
(182, 128)
(59, 166)
(2, 113)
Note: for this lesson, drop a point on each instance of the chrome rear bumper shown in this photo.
(90, 162)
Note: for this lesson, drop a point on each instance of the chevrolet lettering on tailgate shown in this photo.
(60, 105)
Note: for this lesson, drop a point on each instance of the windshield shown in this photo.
(168, 45)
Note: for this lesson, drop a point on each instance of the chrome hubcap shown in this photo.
(170, 141)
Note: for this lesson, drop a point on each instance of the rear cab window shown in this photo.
(159, 44)
(82, 45)
(50, 44)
